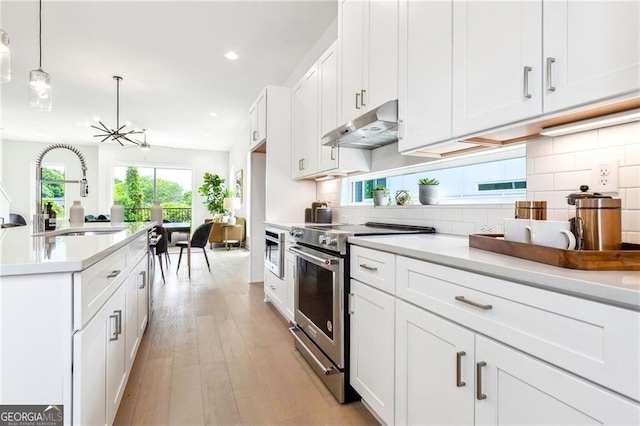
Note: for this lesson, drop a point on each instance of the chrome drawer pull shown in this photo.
(144, 280)
(119, 314)
(362, 92)
(526, 93)
(459, 382)
(113, 274)
(368, 268)
(479, 395)
(114, 335)
(472, 303)
(357, 100)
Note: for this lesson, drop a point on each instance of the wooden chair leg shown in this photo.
(206, 258)
(161, 268)
(179, 258)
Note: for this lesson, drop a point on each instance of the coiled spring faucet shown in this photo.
(39, 217)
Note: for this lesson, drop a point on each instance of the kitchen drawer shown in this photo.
(597, 341)
(95, 285)
(376, 268)
(276, 290)
(136, 249)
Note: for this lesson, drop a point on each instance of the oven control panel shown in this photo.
(328, 240)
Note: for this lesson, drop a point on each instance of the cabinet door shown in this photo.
(519, 389)
(595, 47)
(275, 291)
(89, 370)
(298, 141)
(372, 343)
(290, 278)
(262, 116)
(312, 137)
(328, 93)
(497, 63)
(132, 339)
(116, 371)
(434, 369)
(350, 37)
(143, 297)
(424, 99)
(380, 69)
(253, 125)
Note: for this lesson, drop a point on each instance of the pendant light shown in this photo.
(40, 96)
(5, 58)
(118, 133)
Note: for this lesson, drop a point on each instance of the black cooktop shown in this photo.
(374, 228)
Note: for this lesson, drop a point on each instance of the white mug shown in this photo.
(552, 233)
(517, 230)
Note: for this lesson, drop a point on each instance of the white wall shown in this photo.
(198, 161)
(555, 168)
(238, 160)
(18, 162)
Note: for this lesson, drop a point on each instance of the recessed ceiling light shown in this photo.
(213, 114)
(231, 55)
(207, 135)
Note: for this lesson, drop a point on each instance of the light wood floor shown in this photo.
(215, 353)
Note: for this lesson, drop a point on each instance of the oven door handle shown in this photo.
(320, 261)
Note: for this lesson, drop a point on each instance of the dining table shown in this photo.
(184, 228)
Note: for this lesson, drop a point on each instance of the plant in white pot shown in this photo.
(380, 195)
(428, 188)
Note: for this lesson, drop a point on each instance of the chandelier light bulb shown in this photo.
(5, 58)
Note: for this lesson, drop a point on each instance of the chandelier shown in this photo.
(117, 134)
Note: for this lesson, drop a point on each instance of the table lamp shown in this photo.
(230, 204)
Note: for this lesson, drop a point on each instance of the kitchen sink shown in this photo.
(80, 232)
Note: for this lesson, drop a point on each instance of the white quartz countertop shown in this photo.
(21, 253)
(620, 288)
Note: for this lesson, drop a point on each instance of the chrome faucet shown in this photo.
(39, 217)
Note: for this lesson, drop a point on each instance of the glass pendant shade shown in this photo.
(5, 58)
(40, 94)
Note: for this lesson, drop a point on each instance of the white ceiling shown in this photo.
(170, 55)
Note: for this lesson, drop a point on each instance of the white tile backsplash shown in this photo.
(575, 142)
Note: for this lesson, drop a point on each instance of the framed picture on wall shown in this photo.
(239, 191)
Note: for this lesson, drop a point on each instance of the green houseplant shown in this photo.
(213, 191)
(380, 194)
(428, 191)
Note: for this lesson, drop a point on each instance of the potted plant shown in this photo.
(380, 194)
(213, 191)
(428, 188)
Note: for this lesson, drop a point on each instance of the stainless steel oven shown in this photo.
(274, 251)
(319, 314)
(321, 333)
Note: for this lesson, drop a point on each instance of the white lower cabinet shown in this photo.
(434, 369)
(99, 361)
(445, 346)
(372, 340)
(275, 291)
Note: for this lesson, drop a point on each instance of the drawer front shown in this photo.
(95, 285)
(276, 288)
(596, 341)
(136, 249)
(376, 268)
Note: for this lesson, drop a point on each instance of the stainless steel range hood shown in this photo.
(372, 129)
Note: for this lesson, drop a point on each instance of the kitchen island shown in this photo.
(445, 333)
(73, 308)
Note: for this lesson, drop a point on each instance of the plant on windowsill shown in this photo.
(380, 194)
(428, 191)
(213, 191)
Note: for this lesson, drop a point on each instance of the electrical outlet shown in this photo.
(604, 176)
(488, 228)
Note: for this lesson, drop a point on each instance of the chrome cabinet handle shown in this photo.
(550, 86)
(400, 129)
(479, 395)
(527, 70)
(350, 304)
(254, 135)
(362, 93)
(144, 280)
(113, 274)
(472, 303)
(119, 314)
(459, 382)
(357, 100)
(368, 268)
(333, 152)
(114, 335)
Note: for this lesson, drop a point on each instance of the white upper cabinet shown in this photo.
(368, 52)
(591, 51)
(306, 141)
(424, 80)
(497, 63)
(328, 119)
(258, 120)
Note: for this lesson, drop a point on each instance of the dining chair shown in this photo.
(199, 238)
(161, 247)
